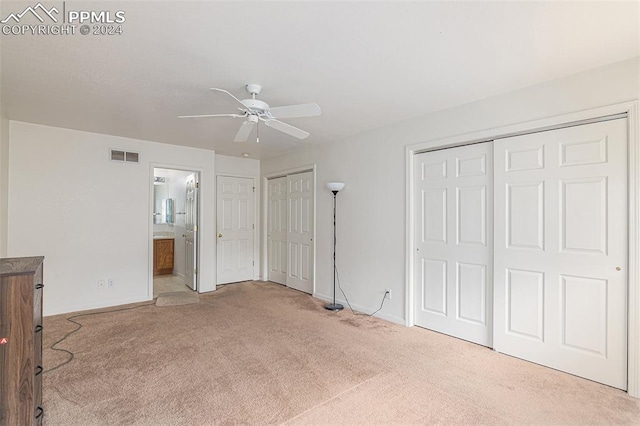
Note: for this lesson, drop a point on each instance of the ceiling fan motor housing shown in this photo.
(256, 105)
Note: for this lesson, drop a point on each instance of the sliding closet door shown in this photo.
(300, 231)
(561, 249)
(454, 250)
(277, 230)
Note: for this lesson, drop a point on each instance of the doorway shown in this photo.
(235, 212)
(175, 230)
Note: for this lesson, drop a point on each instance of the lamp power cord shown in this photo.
(384, 297)
(79, 326)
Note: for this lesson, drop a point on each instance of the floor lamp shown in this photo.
(334, 187)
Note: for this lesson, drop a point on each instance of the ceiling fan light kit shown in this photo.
(254, 110)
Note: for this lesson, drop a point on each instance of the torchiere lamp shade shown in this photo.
(335, 186)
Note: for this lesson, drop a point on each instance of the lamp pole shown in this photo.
(334, 306)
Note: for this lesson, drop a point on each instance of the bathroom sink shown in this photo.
(162, 236)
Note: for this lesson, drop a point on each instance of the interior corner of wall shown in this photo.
(4, 185)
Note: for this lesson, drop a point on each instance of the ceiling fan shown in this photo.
(254, 110)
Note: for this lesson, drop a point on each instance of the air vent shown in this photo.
(124, 156)
(131, 156)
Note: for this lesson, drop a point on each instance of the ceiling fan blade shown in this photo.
(292, 111)
(230, 98)
(286, 128)
(212, 115)
(244, 131)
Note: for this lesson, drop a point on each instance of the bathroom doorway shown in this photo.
(175, 230)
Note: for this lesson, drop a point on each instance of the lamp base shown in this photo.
(333, 307)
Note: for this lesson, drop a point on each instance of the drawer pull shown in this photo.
(39, 370)
(40, 412)
(38, 328)
(39, 286)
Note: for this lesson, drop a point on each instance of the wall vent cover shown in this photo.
(124, 156)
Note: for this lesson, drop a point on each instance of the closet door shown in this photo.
(300, 231)
(277, 230)
(454, 250)
(561, 249)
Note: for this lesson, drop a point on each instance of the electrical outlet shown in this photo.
(387, 293)
(102, 284)
(111, 283)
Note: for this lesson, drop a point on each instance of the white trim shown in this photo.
(294, 170)
(69, 309)
(631, 109)
(256, 220)
(633, 277)
(200, 172)
(265, 211)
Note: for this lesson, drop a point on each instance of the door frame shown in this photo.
(151, 207)
(633, 155)
(256, 221)
(265, 217)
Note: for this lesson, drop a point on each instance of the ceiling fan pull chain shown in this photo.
(258, 132)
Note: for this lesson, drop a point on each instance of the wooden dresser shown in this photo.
(162, 256)
(21, 341)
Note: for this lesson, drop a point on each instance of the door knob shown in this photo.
(219, 235)
(618, 268)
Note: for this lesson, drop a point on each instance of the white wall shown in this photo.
(235, 166)
(371, 208)
(245, 167)
(91, 217)
(4, 184)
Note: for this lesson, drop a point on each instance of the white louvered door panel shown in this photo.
(454, 231)
(561, 249)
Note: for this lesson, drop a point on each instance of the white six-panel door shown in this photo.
(235, 226)
(300, 231)
(561, 249)
(191, 232)
(277, 230)
(454, 252)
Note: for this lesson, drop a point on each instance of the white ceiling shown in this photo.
(366, 64)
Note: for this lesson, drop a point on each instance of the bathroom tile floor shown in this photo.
(168, 283)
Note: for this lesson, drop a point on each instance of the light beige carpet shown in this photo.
(177, 298)
(257, 353)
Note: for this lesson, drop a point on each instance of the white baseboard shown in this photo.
(362, 309)
(57, 310)
(178, 273)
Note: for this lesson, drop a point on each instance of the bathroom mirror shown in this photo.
(163, 207)
(167, 210)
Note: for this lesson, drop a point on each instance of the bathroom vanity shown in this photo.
(163, 255)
